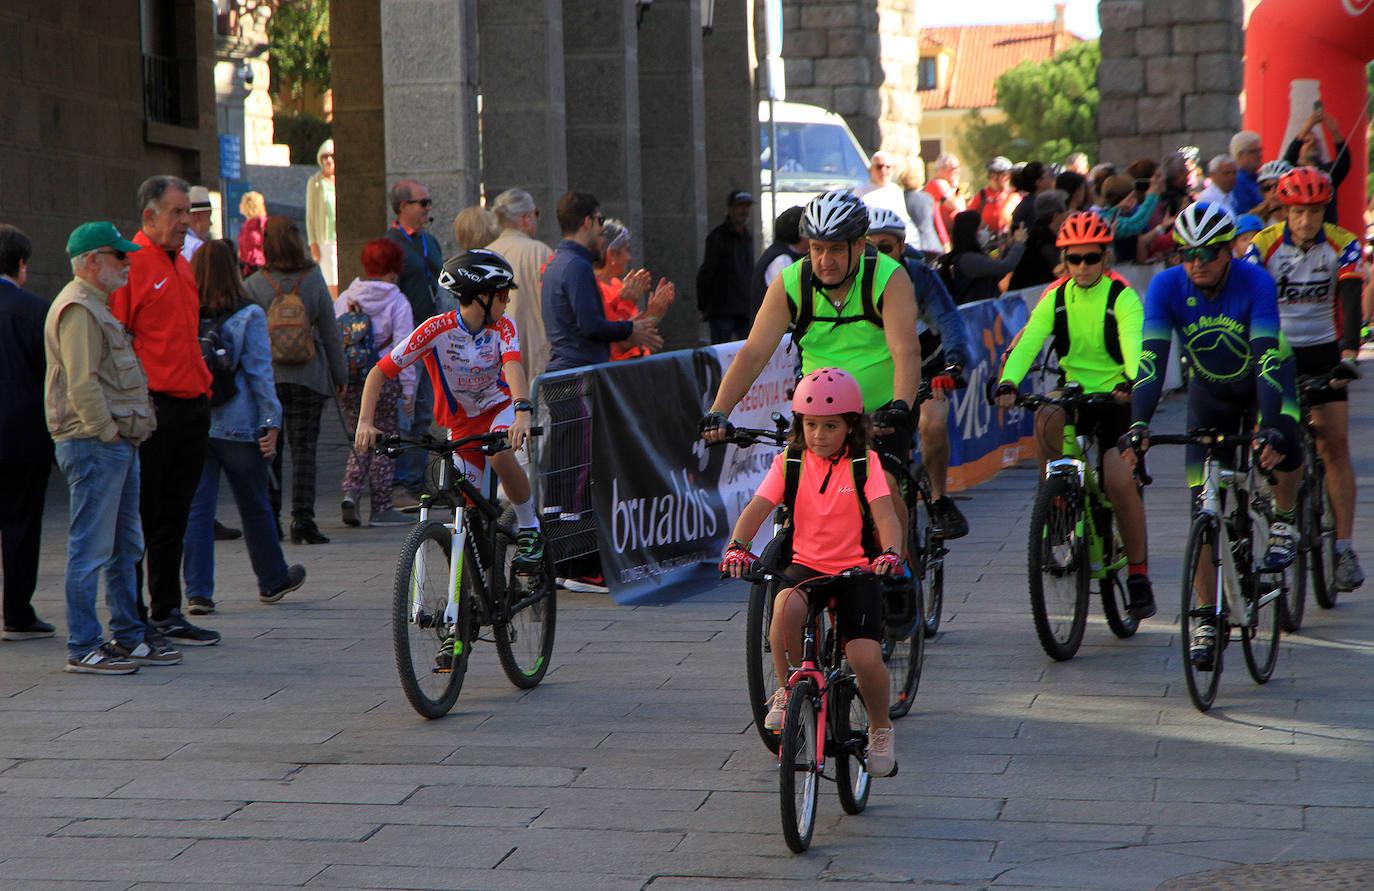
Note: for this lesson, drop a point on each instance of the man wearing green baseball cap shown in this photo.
(98, 411)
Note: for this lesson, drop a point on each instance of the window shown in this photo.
(163, 71)
(927, 73)
(821, 152)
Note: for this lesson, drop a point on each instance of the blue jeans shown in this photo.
(246, 468)
(411, 465)
(106, 534)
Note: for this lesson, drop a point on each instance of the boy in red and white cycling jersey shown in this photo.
(1319, 270)
(472, 355)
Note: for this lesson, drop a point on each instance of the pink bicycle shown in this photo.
(826, 718)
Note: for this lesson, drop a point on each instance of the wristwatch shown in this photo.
(524, 405)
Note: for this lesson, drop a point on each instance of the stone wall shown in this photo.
(1171, 75)
(74, 140)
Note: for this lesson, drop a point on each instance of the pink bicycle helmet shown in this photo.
(828, 391)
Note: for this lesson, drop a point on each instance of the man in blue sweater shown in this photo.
(574, 316)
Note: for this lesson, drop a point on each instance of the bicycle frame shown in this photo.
(1216, 481)
(1075, 466)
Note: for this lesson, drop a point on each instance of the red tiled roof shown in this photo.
(984, 52)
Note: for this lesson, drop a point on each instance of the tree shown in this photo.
(1051, 110)
(299, 36)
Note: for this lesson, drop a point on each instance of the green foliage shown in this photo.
(299, 54)
(302, 132)
(1051, 110)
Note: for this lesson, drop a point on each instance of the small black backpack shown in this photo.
(217, 352)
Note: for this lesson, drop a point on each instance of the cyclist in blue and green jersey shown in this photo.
(1095, 320)
(1226, 314)
(846, 310)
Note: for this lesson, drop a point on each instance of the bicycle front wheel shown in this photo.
(1202, 596)
(431, 640)
(1260, 635)
(1057, 568)
(758, 651)
(851, 740)
(798, 772)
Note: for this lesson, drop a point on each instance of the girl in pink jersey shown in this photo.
(828, 429)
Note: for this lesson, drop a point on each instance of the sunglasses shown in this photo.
(423, 202)
(121, 256)
(1267, 187)
(329, 155)
(1205, 254)
(600, 220)
(1083, 259)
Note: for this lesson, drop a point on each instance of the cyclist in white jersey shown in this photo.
(1319, 270)
(472, 355)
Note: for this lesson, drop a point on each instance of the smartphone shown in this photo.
(1317, 107)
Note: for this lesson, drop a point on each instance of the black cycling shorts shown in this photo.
(1320, 359)
(1105, 423)
(1207, 409)
(895, 449)
(858, 602)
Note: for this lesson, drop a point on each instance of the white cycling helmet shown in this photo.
(1204, 223)
(837, 215)
(880, 219)
(1272, 170)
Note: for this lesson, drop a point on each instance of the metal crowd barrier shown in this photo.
(563, 461)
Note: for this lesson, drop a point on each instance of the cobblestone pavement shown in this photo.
(288, 756)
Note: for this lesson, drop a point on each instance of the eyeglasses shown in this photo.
(121, 256)
(883, 166)
(423, 202)
(1083, 259)
(1205, 254)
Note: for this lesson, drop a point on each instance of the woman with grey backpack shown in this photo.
(307, 361)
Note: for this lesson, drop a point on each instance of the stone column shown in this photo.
(899, 52)
(523, 116)
(834, 60)
(732, 118)
(672, 133)
(355, 34)
(1171, 75)
(601, 69)
(429, 71)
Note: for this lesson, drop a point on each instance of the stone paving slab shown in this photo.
(287, 757)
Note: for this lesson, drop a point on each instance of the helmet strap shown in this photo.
(848, 276)
(486, 309)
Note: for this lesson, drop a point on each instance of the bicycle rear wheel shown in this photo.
(524, 640)
(905, 657)
(1203, 679)
(798, 773)
(431, 652)
(1057, 568)
(1115, 600)
(850, 739)
(1324, 551)
(929, 554)
(1260, 635)
(758, 652)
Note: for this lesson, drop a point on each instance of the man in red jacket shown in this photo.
(161, 309)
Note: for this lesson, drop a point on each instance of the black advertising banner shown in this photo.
(653, 486)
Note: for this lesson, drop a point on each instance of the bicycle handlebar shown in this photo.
(491, 443)
(748, 436)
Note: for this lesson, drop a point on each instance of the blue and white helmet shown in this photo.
(1204, 223)
(837, 215)
(881, 219)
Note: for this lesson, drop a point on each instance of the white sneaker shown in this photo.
(882, 757)
(777, 709)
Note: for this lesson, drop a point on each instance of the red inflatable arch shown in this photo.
(1299, 51)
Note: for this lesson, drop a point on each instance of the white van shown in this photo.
(817, 152)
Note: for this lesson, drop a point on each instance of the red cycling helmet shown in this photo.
(1083, 227)
(828, 391)
(1304, 186)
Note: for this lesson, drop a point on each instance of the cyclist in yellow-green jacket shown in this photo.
(1095, 320)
